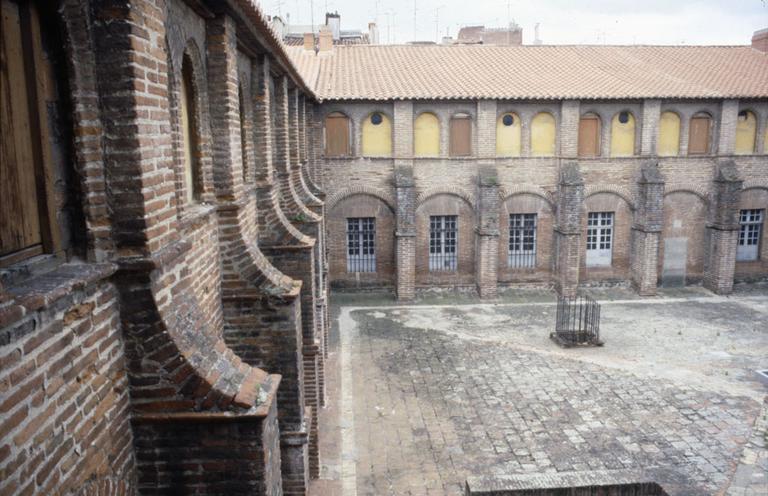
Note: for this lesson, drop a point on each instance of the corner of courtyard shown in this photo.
(429, 394)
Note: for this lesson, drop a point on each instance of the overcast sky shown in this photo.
(690, 22)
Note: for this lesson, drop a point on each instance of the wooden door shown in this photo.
(698, 142)
(336, 136)
(20, 214)
(589, 137)
(461, 137)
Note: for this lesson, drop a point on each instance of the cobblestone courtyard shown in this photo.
(428, 395)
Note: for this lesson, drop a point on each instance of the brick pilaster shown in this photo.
(177, 361)
(403, 129)
(485, 147)
(289, 249)
(650, 127)
(646, 230)
(405, 233)
(487, 253)
(569, 128)
(723, 229)
(568, 235)
(729, 115)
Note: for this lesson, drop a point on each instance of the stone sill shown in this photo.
(598, 482)
(43, 290)
(257, 412)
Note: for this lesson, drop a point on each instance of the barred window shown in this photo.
(443, 235)
(599, 239)
(749, 235)
(522, 240)
(361, 245)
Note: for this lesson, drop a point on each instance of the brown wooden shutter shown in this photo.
(589, 137)
(461, 137)
(20, 228)
(698, 142)
(336, 136)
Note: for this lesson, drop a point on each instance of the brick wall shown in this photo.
(63, 388)
(616, 177)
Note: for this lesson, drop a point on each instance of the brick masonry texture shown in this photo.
(180, 349)
(679, 193)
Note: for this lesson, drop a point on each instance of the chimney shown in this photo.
(278, 26)
(325, 40)
(760, 40)
(333, 21)
(373, 33)
(309, 41)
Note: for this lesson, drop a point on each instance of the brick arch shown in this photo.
(619, 191)
(687, 188)
(345, 193)
(755, 184)
(527, 189)
(446, 190)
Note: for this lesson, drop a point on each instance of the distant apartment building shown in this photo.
(307, 34)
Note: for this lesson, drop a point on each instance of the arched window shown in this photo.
(698, 137)
(189, 132)
(669, 134)
(243, 134)
(508, 135)
(426, 136)
(589, 135)
(746, 132)
(377, 136)
(337, 135)
(623, 134)
(461, 135)
(543, 135)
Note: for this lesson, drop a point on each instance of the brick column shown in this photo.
(650, 127)
(729, 115)
(487, 249)
(569, 128)
(568, 235)
(723, 229)
(646, 230)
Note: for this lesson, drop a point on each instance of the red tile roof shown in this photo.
(396, 72)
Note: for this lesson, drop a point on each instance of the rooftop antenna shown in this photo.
(279, 5)
(414, 20)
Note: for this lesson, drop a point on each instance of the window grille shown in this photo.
(443, 236)
(749, 235)
(522, 241)
(599, 239)
(361, 245)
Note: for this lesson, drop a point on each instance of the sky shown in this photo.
(612, 22)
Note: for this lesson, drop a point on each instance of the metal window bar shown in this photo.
(443, 239)
(577, 322)
(361, 244)
(522, 241)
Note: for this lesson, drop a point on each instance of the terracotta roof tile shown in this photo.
(393, 72)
